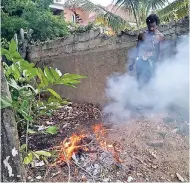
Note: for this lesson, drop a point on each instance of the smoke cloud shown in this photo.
(169, 88)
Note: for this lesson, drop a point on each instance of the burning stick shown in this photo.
(100, 133)
(74, 145)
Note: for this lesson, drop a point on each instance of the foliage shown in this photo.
(4, 43)
(141, 8)
(34, 81)
(75, 28)
(35, 15)
(174, 11)
(27, 83)
(33, 155)
(52, 130)
(104, 16)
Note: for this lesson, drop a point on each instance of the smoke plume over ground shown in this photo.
(169, 88)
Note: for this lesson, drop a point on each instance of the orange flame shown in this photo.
(68, 147)
(100, 133)
(74, 143)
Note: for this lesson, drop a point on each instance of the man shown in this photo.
(147, 51)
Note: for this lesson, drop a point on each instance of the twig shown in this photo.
(27, 127)
(99, 113)
(57, 147)
(69, 168)
(83, 170)
(56, 174)
(47, 171)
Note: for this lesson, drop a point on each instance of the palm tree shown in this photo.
(110, 19)
(174, 11)
(141, 8)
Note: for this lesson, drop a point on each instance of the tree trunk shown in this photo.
(12, 169)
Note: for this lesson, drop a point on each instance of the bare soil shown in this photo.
(152, 149)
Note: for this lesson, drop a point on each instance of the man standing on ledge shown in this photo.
(147, 51)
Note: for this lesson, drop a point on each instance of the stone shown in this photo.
(106, 180)
(84, 37)
(158, 143)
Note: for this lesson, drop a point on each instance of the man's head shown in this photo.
(152, 22)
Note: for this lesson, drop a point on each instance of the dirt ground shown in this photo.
(152, 149)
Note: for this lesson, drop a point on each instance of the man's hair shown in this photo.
(152, 18)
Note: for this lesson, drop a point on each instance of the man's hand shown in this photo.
(159, 36)
(131, 67)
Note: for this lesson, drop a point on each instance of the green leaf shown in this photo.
(72, 76)
(54, 93)
(6, 102)
(52, 130)
(31, 131)
(12, 46)
(14, 84)
(24, 65)
(15, 71)
(55, 74)
(4, 51)
(16, 55)
(22, 147)
(8, 57)
(28, 159)
(25, 105)
(43, 153)
(44, 81)
(49, 75)
(36, 155)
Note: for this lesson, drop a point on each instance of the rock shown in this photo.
(154, 166)
(153, 154)
(84, 178)
(180, 177)
(39, 177)
(175, 130)
(106, 180)
(41, 163)
(96, 169)
(168, 120)
(49, 123)
(158, 143)
(74, 158)
(29, 177)
(139, 174)
(129, 179)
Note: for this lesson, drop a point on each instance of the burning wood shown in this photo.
(76, 144)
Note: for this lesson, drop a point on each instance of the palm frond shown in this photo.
(116, 22)
(175, 10)
(156, 4)
(131, 5)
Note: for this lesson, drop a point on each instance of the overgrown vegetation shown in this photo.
(140, 9)
(174, 11)
(31, 14)
(75, 28)
(27, 83)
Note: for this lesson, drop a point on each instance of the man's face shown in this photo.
(152, 27)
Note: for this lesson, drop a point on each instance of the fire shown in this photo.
(99, 130)
(74, 144)
(69, 146)
(100, 133)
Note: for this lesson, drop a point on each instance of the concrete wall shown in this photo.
(94, 55)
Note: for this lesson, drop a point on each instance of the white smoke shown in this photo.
(170, 87)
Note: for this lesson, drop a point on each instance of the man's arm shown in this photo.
(161, 39)
(139, 39)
